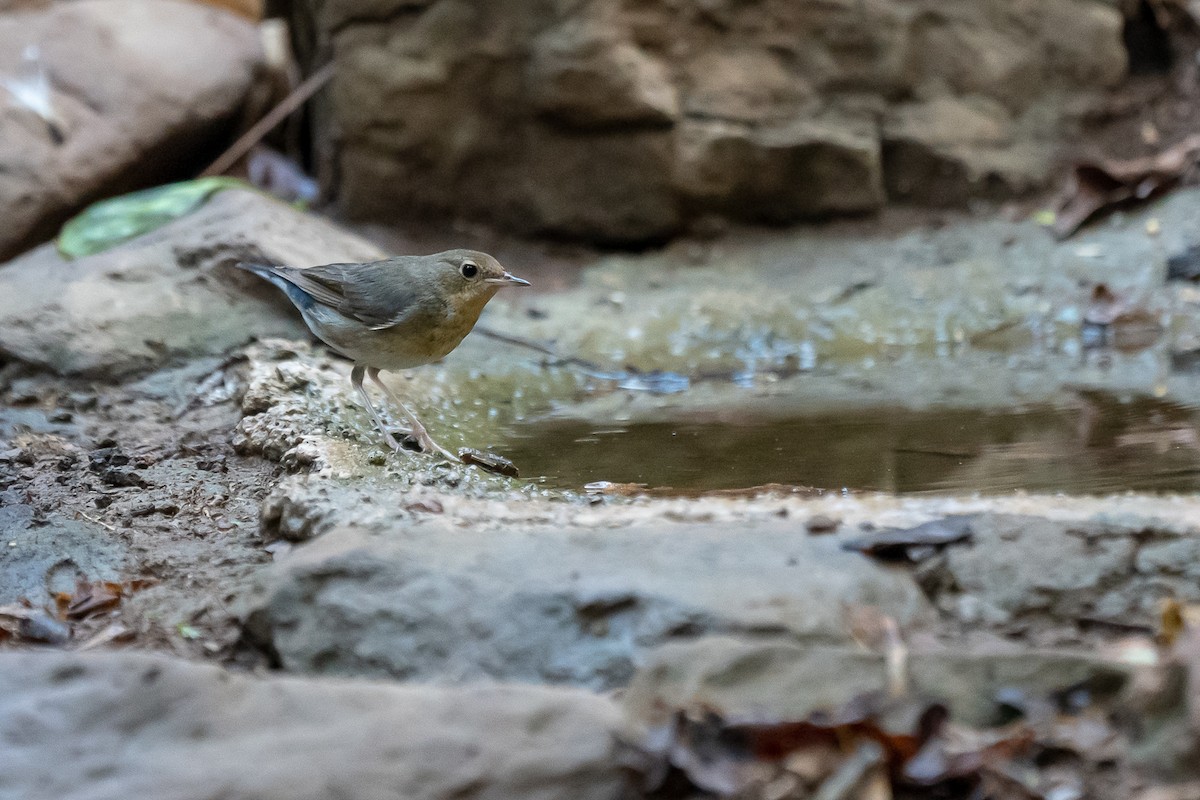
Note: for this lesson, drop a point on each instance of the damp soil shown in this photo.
(136, 484)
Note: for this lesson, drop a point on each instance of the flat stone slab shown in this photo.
(435, 600)
(134, 725)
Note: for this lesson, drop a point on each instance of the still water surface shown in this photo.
(1094, 445)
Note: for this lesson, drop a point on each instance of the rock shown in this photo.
(747, 678)
(434, 103)
(143, 92)
(608, 187)
(948, 150)
(579, 78)
(108, 726)
(784, 172)
(168, 294)
(282, 396)
(748, 85)
(1076, 565)
(1102, 568)
(435, 599)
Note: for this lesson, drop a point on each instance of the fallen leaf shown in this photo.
(92, 599)
(110, 222)
(1101, 185)
(187, 631)
(913, 544)
(489, 461)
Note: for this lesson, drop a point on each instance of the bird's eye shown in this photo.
(469, 270)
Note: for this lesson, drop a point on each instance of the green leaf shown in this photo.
(1045, 218)
(110, 222)
(187, 631)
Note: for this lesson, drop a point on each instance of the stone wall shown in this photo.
(624, 121)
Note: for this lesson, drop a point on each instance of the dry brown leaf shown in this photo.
(1100, 185)
(92, 598)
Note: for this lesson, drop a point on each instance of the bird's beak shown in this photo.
(507, 279)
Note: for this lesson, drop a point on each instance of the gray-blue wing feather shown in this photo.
(375, 293)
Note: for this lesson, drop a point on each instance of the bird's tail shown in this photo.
(300, 298)
(261, 270)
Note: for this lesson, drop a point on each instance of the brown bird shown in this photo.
(393, 314)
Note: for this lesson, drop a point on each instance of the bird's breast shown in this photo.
(411, 343)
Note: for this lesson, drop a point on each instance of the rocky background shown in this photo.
(626, 122)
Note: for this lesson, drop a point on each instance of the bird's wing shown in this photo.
(374, 293)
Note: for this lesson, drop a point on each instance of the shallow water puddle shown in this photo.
(1095, 444)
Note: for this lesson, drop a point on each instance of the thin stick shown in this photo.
(521, 341)
(298, 97)
(99, 522)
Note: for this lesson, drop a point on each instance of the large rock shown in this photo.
(782, 172)
(948, 150)
(435, 600)
(1086, 569)
(145, 92)
(579, 77)
(770, 109)
(130, 725)
(168, 294)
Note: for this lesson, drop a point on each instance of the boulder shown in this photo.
(133, 725)
(143, 93)
(389, 595)
(948, 150)
(781, 172)
(166, 295)
(579, 78)
(608, 187)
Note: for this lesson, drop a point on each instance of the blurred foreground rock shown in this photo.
(450, 600)
(743, 677)
(166, 295)
(118, 726)
(143, 93)
(622, 123)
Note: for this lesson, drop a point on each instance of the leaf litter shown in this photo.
(882, 744)
(64, 620)
(1105, 184)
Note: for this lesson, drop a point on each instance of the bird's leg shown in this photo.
(418, 430)
(356, 378)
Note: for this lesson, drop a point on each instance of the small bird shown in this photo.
(392, 314)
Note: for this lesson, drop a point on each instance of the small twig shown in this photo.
(521, 341)
(101, 523)
(298, 97)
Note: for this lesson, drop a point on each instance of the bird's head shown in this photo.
(473, 276)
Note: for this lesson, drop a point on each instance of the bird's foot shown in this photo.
(428, 445)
